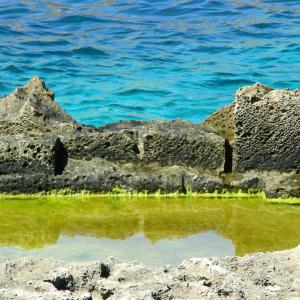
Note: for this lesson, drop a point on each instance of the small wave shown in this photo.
(90, 51)
(211, 49)
(226, 82)
(14, 11)
(266, 25)
(79, 19)
(13, 69)
(131, 92)
(45, 43)
(10, 32)
(59, 53)
(116, 106)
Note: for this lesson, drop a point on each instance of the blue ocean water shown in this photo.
(116, 60)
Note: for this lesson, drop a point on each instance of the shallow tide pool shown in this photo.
(155, 231)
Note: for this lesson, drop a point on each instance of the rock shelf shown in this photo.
(257, 276)
(253, 145)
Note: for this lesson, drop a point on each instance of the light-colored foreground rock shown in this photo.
(258, 276)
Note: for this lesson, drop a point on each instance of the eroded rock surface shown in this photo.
(33, 155)
(222, 122)
(250, 145)
(267, 129)
(257, 276)
(31, 109)
(165, 143)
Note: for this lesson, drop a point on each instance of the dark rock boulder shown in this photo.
(114, 146)
(165, 143)
(43, 155)
(102, 176)
(267, 129)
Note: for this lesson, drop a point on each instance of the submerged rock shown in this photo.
(239, 148)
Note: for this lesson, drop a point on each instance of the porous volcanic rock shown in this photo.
(222, 122)
(31, 110)
(257, 276)
(267, 129)
(100, 175)
(166, 143)
(251, 145)
(38, 155)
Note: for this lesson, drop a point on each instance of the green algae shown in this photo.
(118, 192)
(286, 201)
(252, 225)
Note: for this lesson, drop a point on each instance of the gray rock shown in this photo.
(24, 154)
(162, 142)
(31, 109)
(258, 276)
(99, 175)
(42, 148)
(114, 146)
(281, 185)
(267, 129)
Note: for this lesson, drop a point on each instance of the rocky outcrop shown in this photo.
(251, 145)
(165, 143)
(33, 155)
(257, 276)
(267, 129)
(31, 110)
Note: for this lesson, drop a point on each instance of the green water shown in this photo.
(155, 231)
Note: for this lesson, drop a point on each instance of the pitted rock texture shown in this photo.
(165, 143)
(99, 175)
(31, 110)
(238, 148)
(34, 155)
(258, 276)
(267, 129)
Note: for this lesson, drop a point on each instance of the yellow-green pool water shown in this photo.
(155, 231)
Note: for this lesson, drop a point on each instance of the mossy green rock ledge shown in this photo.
(253, 146)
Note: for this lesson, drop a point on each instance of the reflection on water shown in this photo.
(152, 230)
(136, 247)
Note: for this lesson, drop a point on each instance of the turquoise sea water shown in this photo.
(148, 59)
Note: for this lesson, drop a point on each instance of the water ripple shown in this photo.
(118, 60)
